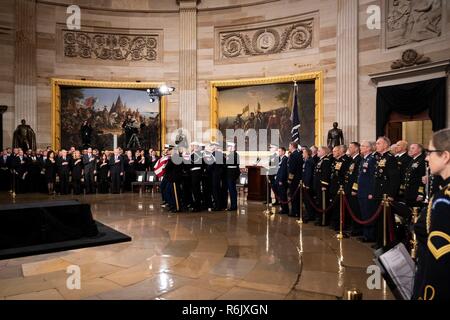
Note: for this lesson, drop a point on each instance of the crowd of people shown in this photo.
(66, 171)
(367, 175)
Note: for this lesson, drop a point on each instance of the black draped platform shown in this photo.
(43, 227)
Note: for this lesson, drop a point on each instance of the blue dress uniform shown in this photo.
(281, 182)
(338, 170)
(322, 174)
(295, 164)
(432, 278)
(365, 187)
(208, 160)
(351, 177)
(307, 178)
(232, 172)
(413, 186)
(387, 181)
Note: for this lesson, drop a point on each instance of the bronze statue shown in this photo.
(335, 136)
(24, 137)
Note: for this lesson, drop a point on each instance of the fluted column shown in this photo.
(25, 99)
(347, 69)
(188, 64)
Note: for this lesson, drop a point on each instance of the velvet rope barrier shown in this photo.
(355, 218)
(318, 209)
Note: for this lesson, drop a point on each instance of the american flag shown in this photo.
(160, 166)
(294, 116)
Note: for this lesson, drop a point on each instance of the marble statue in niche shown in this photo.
(412, 21)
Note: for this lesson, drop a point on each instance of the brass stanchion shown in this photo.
(300, 186)
(323, 207)
(385, 206)
(414, 237)
(340, 235)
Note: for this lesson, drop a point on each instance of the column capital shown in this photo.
(188, 4)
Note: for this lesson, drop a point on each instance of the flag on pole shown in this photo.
(246, 109)
(294, 116)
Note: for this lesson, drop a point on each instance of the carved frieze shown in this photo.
(109, 46)
(268, 39)
(412, 21)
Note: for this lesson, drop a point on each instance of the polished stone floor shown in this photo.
(240, 255)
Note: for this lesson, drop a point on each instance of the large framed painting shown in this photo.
(267, 103)
(118, 114)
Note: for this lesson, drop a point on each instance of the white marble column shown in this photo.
(25, 99)
(347, 69)
(188, 64)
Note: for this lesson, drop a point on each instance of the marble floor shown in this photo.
(240, 255)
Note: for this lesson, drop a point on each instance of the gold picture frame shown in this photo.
(317, 76)
(56, 101)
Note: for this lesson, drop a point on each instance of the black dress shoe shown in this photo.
(231, 209)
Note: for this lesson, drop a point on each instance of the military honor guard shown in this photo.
(197, 169)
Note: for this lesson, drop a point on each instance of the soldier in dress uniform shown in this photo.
(307, 180)
(314, 155)
(185, 180)
(414, 189)
(351, 177)
(295, 165)
(321, 181)
(403, 160)
(196, 174)
(281, 180)
(338, 171)
(363, 188)
(432, 278)
(172, 174)
(63, 164)
(387, 182)
(232, 172)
